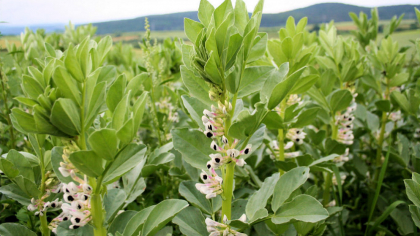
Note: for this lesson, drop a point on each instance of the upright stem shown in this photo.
(230, 167)
(381, 136)
(328, 176)
(43, 218)
(228, 190)
(97, 214)
(155, 119)
(280, 136)
(380, 144)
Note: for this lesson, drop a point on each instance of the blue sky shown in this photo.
(33, 12)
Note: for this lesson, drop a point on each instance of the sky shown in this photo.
(35, 12)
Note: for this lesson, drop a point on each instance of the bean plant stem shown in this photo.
(230, 168)
(155, 118)
(280, 136)
(328, 176)
(43, 218)
(97, 214)
(228, 190)
(381, 137)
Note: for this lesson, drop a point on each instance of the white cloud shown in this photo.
(32, 12)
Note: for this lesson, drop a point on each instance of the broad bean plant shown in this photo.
(227, 133)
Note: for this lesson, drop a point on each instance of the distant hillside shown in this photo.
(319, 13)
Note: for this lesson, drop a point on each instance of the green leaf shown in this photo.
(28, 186)
(253, 79)
(287, 184)
(212, 69)
(274, 78)
(87, 162)
(273, 120)
(23, 120)
(21, 163)
(415, 215)
(401, 100)
(258, 48)
(116, 93)
(302, 208)
(304, 84)
(383, 105)
(157, 159)
(284, 88)
(67, 86)
(96, 102)
(412, 189)
(65, 115)
(198, 87)
(241, 16)
(233, 80)
(113, 202)
(339, 100)
(193, 145)
(121, 222)
(221, 12)
(195, 108)
(138, 110)
(37, 75)
(135, 224)
(14, 192)
(8, 168)
(258, 200)
(121, 112)
(246, 124)
(104, 143)
(126, 160)
(205, 12)
(191, 222)
(12, 229)
(306, 117)
(72, 64)
(192, 29)
(125, 134)
(163, 213)
(317, 95)
(31, 87)
(188, 190)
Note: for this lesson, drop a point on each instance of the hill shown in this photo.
(319, 13)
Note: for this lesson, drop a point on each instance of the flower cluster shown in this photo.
(40, 206)
(274, 151)
(291, 100)
(212, 184)
(226, 154)
(395, 116)
(345, 125)
(165, 106)
(296, 135)
(213, 120)
(343, 157)
(218, 229)
(77, 206)
(66, 167)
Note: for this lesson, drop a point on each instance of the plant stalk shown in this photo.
(228, 190)
(97, 214)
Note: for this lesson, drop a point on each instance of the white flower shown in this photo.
(212, 184)
(296, 135)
